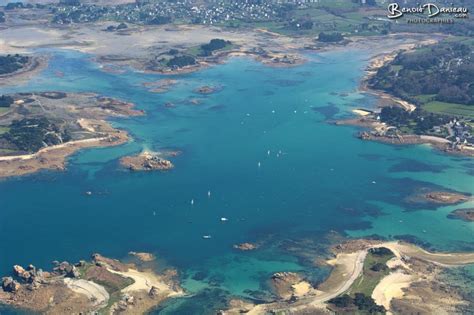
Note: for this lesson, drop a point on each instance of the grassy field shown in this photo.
(197, 51)
(451, 109)
(369, 279)
(4, 130)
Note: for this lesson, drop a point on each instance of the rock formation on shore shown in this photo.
(100, 285)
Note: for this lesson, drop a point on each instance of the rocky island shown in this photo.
(102, 285)
(439, 197)
(148, 161)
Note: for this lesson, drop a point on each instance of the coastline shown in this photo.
(83, 116)
(103, 285)
(377, 129)
(410, 266)
(37, 64)
(55, 157)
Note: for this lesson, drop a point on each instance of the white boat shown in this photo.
(259, 164)
(223, 219)
(206, 237)
(192, 201)
(209, 193)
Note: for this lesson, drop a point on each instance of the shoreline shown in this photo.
(376, 128)
(37, 64)
(82, 115)
(410, 265)
(103, 285)
(55, 157)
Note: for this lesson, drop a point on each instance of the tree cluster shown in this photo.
(363, 303)
(214, 44)
(32, 134)
(444, 70)
(330, 37)
(181, 61)
(12, 63)
(6, 101)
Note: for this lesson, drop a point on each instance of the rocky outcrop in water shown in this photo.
(245, 246)
(462, 214)
(146, 161)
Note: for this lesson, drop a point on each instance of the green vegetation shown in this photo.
(30, 135)
(181, 61)
(437, 75)
(358, 299)
(12, 63)
(330, 37)
(361, 302)
(4, 129)
(375, 269)
(214, 44)
(449, 109)
(417, 122)
(205, 50)
(112, 284)
(6, 101)
(14, 5)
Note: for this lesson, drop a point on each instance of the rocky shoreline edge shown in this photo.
(103, 285)
(368, 276)
(80, 116)
(381, 132)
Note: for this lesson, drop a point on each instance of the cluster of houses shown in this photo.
(147, 11)
(460, 132)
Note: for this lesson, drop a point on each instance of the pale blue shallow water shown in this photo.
(321, 181)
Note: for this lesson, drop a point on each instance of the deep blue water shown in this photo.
(313, 177)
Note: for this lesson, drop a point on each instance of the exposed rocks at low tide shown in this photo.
(466, 214)
(245, 246)
(145, 257)
(439, 197)
(289, 285)
(206, 89)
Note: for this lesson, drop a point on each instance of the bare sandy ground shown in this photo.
(94, 292)
(348, 266)
(144, 281)
(391, 287)
(138, 41)
(441, 259)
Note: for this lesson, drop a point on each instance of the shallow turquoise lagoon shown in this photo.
(263, 148)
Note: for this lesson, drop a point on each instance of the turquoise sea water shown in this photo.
(317, 177)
